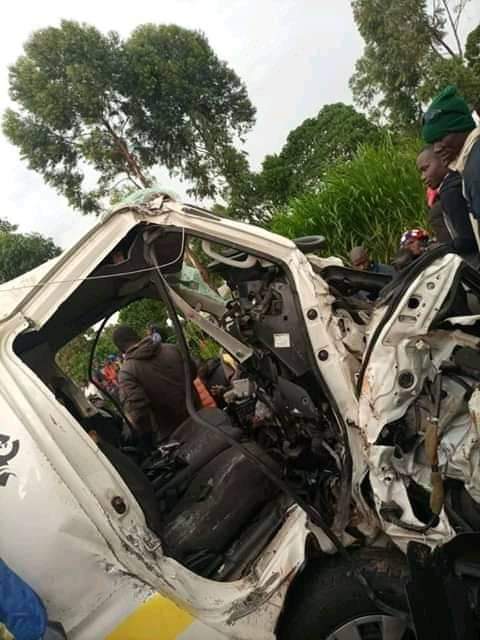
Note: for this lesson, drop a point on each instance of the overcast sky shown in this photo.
(294, 56)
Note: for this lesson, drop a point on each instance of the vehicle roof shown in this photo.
(14, 294)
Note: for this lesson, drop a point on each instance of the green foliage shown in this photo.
(105, 345)
(201, 346)
(408, 58)
(73, 359)
(242, 192)
(21, 252)
(7, 227)
(140, 314)
(472, 49)
(462, 71)
(397, 51)
(369, 200)
(122, 107)
(335, 134)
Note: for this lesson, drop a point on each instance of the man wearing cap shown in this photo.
(449, 125)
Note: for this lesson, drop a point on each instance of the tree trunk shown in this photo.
(130, 159)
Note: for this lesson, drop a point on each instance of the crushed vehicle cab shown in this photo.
(348, 431)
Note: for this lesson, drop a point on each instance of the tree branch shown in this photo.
(442, 42)
(129, 177)
(137, 186)
(124, 124)
(435, 51)
(129, 157)
(454, 27)
(459, 10)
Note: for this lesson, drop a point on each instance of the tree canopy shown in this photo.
(140, 314)
(412, 49)
(93, 108)
(21, 252)
(74, 357)
(334, 134)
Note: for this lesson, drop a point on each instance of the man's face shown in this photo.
(362, 263)
(431, 168)
(450, 146)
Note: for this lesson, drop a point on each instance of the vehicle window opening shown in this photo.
(233, 469)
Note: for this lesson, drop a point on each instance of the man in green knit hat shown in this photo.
(449, 126)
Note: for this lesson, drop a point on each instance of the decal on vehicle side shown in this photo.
(8, 450)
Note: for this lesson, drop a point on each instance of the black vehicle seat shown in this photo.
(222, 499)
(197, 447)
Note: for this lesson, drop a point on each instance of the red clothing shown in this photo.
(204, 395)
(109, 372)
(432, 195)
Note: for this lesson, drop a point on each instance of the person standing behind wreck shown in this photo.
(449, 125)
(449, 216)
(152, 385)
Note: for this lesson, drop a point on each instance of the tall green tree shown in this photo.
(89, 104)
(20, 252)
(334, 134)
(412, 48)
(74, 357)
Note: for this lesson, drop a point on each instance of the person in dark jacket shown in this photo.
(433, 172)
(152, 385)
(449, 126)
(449, 215)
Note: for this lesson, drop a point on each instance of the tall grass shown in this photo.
(370, 200)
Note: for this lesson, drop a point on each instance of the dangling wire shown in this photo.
(40, 285)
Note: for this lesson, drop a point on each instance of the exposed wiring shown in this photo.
(40, 285)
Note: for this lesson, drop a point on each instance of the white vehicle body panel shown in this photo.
(83, 558)
(93, 566)
(406, 344)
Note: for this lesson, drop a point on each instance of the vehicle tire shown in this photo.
(327, 602)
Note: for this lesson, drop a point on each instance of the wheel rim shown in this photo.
(375, 627)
